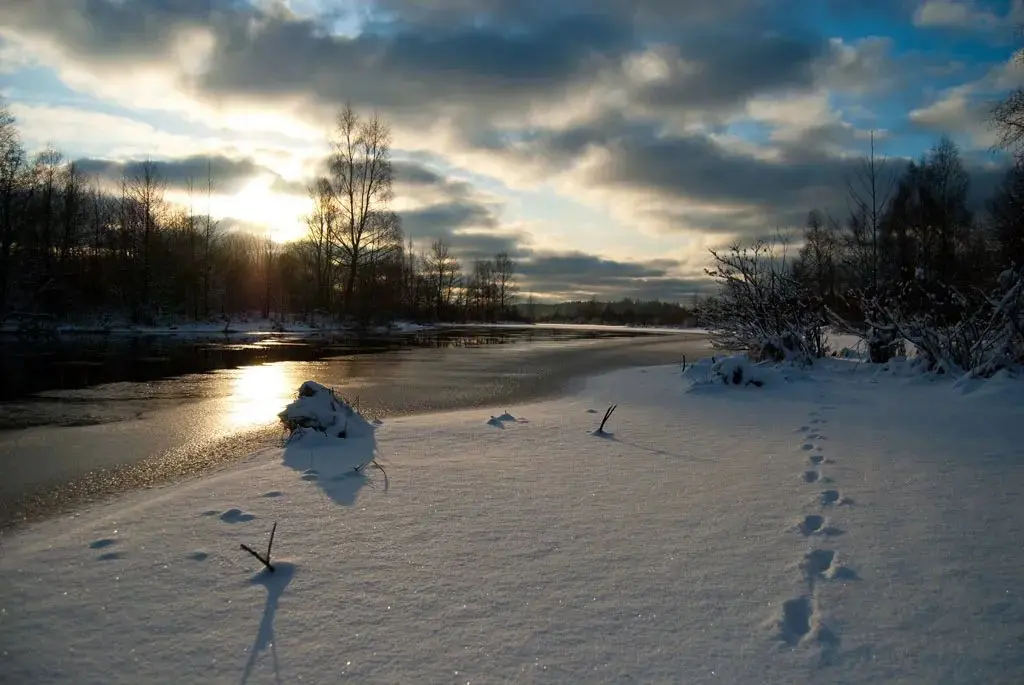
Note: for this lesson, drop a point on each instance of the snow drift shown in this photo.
(330, 443)
(737, 370)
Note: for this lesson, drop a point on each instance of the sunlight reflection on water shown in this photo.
(258, 393)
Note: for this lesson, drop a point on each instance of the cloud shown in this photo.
(968, 15)
(965, 111)
(227, 175)
(100, 134)
(687, 183)
(958, 14)
(577, 275)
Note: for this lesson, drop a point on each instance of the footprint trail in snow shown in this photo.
(801, 620)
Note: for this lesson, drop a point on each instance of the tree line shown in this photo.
(627, 311)
(911, 266)
(913, 224)
(74, 248)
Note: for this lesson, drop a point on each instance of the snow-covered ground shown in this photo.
(843, 525)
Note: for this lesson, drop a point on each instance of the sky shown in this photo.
(606, 145)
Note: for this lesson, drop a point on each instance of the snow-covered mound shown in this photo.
(734, 370)
(319, 410)
(331, 444)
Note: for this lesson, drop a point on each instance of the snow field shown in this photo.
(836, 525)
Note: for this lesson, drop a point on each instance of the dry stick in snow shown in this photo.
(607, 415)
(266, 559)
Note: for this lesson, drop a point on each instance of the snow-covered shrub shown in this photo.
(761, 308)
(883, 344)
(736, 370)
(953, 331)
(318, 409)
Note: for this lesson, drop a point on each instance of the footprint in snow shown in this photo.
(102, 543)
(811, 524)
(822, 563)
(198, 556)
(817, 563)
(815, 524)
(236, 516)
(817, 458)
(801, 622)
(810, 476)
(795, 623)
(830, 497)
(807, 447)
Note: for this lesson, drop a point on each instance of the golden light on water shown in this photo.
(259, 393)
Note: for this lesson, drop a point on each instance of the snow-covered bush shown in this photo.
(318, 409)
(761, 308)
(736, 370)
(953, 331)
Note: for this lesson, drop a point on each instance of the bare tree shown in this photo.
(817, 262)
(362, 183)
(1008, 117)
(146, 193)
(504, 270)
(869, 192)
(321, 229)
(268, 256)
(208, 238)
(12, 160)
(443, 272)
(48, 166)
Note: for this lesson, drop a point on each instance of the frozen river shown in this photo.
(63, 446)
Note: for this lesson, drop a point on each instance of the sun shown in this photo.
(259, 204)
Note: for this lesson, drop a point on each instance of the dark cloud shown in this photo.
(516, 13)
(471, 246)
(416, 174)
(227, 175)
(731, 66)
(118, 30)
(580, 275)
(449, 216)
(493, 56)
(761, 195)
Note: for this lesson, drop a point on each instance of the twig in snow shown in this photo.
(264, 559)
(374, 463)
(386, 482)
(607, 415)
